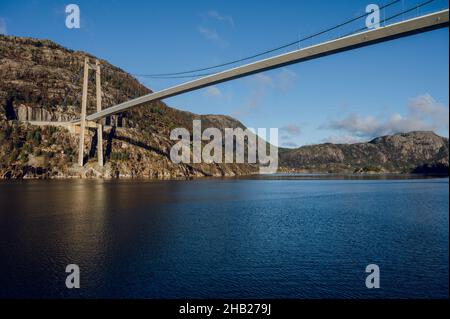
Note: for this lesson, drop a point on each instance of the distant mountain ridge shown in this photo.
(414, 152)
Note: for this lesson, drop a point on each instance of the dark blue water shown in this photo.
(225, 238)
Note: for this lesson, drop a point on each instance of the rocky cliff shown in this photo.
(414, 152)
(41, 81)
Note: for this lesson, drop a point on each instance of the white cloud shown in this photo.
(219, 17)
(286, 79)
(343, 139)
(209, 33)
(424, 107)
(209, 27)
(287, 133)
(262, 80)
(213, 91)
(424, 114)
(3, 29)
(354, 123)
(291, 129)
(212, 35)
(282, 80)
(261, 84)
(289, 145)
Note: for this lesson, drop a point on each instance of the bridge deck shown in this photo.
(402, 29)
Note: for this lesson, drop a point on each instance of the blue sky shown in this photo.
(387, 88)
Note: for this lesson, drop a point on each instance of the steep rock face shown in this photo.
(414, 152)
(41, 81)
(51, 152)
(414, 147)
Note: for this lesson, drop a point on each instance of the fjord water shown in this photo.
(239, 238)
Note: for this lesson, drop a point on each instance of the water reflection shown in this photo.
(224, 238)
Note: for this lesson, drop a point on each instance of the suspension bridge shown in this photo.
(352, 41)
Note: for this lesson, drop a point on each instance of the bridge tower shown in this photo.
(88, 66)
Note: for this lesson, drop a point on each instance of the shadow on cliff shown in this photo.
(113, 136)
